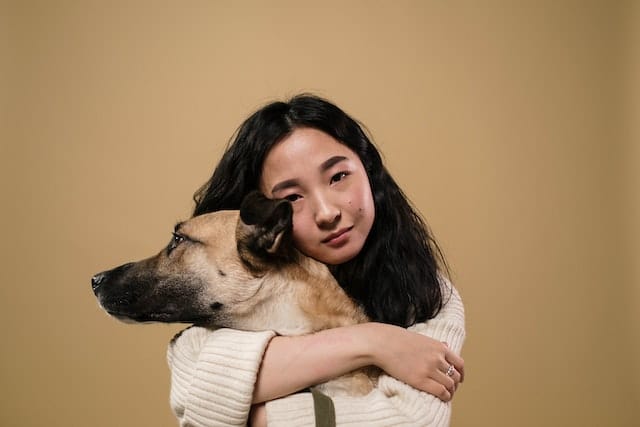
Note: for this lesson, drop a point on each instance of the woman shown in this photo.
(350, 214)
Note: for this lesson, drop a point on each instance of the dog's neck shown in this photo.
(301, 299)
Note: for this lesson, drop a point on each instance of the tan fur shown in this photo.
(292, 297)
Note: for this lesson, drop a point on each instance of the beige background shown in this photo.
(513, 126)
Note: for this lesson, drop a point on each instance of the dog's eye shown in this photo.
(175, 241)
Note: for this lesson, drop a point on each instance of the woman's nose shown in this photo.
(326, 212)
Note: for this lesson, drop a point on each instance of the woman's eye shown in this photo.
(292, 197)
(338, 177)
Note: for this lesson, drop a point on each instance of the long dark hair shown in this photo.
(396, 276)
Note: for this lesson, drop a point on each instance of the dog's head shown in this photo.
(211, 271)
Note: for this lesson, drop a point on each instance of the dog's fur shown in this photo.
(236, 269)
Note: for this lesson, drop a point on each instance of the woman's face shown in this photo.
(329, 190)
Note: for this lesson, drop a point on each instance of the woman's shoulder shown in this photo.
(452, 311)
(450, 294)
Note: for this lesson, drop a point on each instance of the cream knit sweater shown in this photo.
(213, 373)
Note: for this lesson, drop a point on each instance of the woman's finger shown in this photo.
(438, 390)
(455, 376)
(457, 362)
(448, 381)
(451, 372)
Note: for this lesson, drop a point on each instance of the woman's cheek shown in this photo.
(298, 231)
(364, 202)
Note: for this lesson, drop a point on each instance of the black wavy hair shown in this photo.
(396, 276)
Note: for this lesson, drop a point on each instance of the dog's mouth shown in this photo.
(159, 318)
(145, 312)
(163, 313)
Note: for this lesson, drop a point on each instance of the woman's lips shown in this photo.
(338, 238)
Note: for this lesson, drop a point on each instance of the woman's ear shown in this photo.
(264, 230)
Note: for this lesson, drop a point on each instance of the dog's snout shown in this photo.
(101, 278)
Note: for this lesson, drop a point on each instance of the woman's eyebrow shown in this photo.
(327, 164)
(284, 184)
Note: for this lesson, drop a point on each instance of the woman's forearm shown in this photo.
(291, 364)
(294, 363)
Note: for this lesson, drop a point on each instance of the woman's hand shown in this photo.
(422, 362)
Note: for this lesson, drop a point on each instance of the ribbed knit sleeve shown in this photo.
(294, 410)
(213, 374)
(391, 403)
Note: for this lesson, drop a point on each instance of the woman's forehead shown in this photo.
(307, 146)
(305, 151)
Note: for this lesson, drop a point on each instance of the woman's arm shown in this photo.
(392, 403)
(215, 375)
(290, 364)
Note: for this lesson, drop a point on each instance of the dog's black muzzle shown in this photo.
(99, 279)
(134, 291)
(115, 290)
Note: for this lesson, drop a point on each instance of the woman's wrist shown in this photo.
(365, 344)
(371, 338)
(378, 340)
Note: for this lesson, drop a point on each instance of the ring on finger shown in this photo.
(450, 371)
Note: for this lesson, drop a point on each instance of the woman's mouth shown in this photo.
(338, 238)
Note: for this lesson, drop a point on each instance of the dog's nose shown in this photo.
(107, 276)
(97, 280)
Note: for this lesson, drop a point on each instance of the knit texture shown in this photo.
(213, 374)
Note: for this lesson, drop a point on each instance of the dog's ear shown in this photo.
(264, 231)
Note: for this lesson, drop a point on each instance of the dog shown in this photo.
(236, 269)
